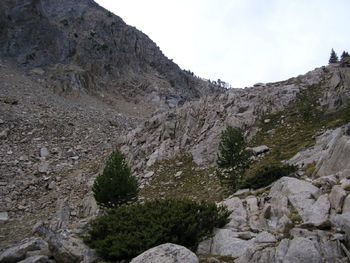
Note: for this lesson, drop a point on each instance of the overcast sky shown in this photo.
(242, 41)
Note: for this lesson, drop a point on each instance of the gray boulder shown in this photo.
(346, 206)
(317, 213)
(343, 222)
(19, 252)
(260, 149)
(302, 250)
(336, 158)
(301, 194)
(238, 216)
(337, 197)
(65, 247)
(227, 243)
(36, 259)
(167, 253)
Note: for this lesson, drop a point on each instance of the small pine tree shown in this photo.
(344, 55)
(116, 185)
(334, 57)
(233, 156)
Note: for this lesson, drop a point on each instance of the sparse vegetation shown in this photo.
(116, 185)
(127, 231)
(347, 187)
(310, 169)
(295, 217)
(191, 182)
(267, 175)
(295, 127)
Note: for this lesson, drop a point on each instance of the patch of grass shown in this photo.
(295, 217)
(194, 182)
(310, 169)
(347, 187)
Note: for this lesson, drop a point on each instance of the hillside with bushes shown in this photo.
(111, 153)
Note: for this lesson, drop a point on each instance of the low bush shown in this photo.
(267, 175)
(127, 231)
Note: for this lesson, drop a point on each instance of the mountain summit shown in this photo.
(83, 47)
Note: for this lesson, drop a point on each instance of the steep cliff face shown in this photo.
(81, 45)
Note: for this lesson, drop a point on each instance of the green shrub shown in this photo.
(310, 169)
(127, 231)
(115, 185)
(232, 156)
(267, 175)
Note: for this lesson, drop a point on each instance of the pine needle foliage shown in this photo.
(127, 231)
(115, 186)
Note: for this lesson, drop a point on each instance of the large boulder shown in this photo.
(227, 243)
(65, 247)
(317, 214)
(337, 197)
(238, 216)
(304, 197)
(302, 250)
(336, 157)
(167, 253)
(36, 259)
(343, 222)
(20, 251)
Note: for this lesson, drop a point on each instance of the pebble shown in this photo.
(52, 185)
(178, 174)
(43, 167)
(4, 217)
(44, 152)
(148, 175)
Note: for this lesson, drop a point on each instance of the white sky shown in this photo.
(242, 41)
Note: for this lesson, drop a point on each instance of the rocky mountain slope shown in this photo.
(48, 177)
(76, 82)
(196, 126)
(77, 46)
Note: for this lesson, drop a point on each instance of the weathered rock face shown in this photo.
(273, 227)
(22, 250)
(82, 47)
(196, 126)
(167, 253)
(330, 154)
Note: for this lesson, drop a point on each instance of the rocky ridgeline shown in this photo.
(79, 46)
(196, 127)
